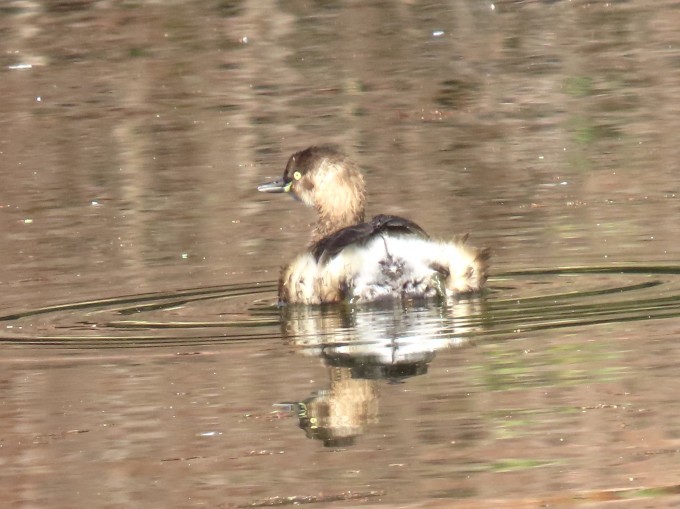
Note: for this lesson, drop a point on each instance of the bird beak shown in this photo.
(276, 186)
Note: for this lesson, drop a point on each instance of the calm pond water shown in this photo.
(144, 362)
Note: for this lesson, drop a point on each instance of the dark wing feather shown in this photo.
(330, 246)
(384, 223)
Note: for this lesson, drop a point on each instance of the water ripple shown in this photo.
(517, 301)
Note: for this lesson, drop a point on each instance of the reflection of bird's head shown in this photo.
(337, 416)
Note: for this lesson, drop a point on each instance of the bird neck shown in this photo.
(339, 199)
(329, 223)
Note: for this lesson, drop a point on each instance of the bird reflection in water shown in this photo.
(362, 346)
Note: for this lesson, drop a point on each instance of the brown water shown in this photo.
(143, 360)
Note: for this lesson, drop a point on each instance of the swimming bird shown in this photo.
(350, 259)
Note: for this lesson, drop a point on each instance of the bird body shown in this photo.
(388, 257)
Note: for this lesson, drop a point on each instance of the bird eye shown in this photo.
(297, 175)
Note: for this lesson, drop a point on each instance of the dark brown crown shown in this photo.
(308, 159)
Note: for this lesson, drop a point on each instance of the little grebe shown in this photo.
(352, 260)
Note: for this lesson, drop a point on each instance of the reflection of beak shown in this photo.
(291, 408)
(276, 186)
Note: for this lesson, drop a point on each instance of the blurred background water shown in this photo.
(142, 349)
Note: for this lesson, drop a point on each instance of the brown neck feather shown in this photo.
(338, 193)
(342, 206)
(326, 224)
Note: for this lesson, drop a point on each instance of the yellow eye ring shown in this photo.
(297, 175)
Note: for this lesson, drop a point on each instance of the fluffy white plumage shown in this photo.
(387, 267)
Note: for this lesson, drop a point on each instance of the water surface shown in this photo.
(144, 360)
